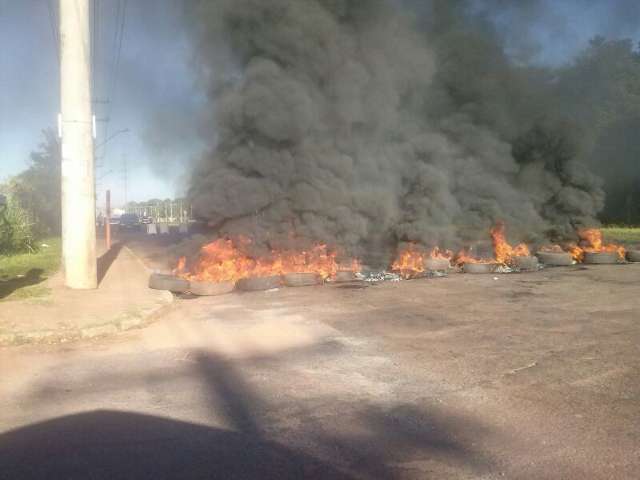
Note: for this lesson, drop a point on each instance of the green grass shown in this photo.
(21, 275)
(623, 235)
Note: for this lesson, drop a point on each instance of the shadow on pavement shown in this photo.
(32, 277)
(107, 259)
(351, 441)
(123, 445)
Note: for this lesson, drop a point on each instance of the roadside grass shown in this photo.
(623, 235)
(21, 276)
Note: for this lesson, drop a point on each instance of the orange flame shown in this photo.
(181, 266)
(465, 256)
(225, 261)
(504, 252)
(411, 260)
(436, 253)
(576, 252)
(591, 239)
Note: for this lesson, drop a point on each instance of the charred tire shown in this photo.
(345, 276)
(555, 259)
(158, 281)
(601, 258)
(211, 289)
(633, 255)
(301, 279)
(433, 264)
(479, 267)
(526, 263)
(257, 284)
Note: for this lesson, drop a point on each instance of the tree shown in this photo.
(38, 189)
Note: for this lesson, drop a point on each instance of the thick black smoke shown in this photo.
(357, 123)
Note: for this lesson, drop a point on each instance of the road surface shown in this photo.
(522, 376)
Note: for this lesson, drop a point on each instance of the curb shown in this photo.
(122, 323)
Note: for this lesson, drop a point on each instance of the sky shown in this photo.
(153, 82)
(153, 91)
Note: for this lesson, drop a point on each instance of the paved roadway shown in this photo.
(467, 377)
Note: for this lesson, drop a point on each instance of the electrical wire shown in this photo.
(95, 46)
(118, 40)
(53, 20)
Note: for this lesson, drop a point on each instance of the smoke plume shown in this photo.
(365, 124)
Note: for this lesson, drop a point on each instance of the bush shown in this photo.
(16, 229)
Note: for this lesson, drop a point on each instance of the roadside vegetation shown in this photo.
(16, 227)
(33, 200)
(623, 235)
(21, 275)
(30, 224)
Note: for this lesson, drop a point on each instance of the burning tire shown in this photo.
(555, 259)
(434, 264)
(601, 258)
(479, 267)
(158, 281)
(211, 289)
(633, 255)
(301, 279)
(526, 263)
(257, 284)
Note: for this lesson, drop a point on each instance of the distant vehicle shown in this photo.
(129, 220)
(145, 220)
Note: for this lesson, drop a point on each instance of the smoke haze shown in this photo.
(365, 124)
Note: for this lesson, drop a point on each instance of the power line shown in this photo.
(109, 69)
(118, 33)
(95, 44)
(53, 20)
(118, 39)
(116, 67)
(119, 54)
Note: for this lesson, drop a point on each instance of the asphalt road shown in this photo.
(529, 376)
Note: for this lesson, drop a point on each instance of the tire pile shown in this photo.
(159, 281)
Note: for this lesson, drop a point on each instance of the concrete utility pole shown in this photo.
(107, 223)
(125, 172)
(77, 128)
